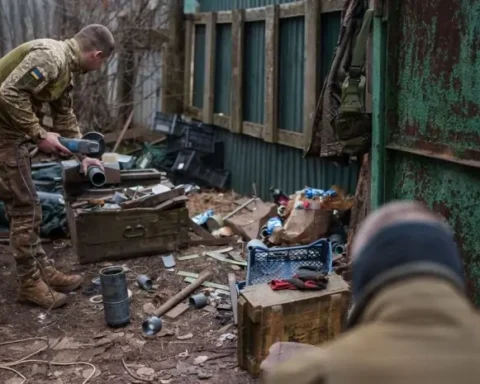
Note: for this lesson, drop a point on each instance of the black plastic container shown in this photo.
(116, 304)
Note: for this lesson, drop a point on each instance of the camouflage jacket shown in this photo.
(37, 72)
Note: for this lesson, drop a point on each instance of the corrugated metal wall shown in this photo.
(255, 161)
(254, 72)
(249, 159)
(148, 84)
(26, 20)
(290, 73)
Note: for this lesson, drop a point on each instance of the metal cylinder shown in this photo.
(338, 244)
(152, 325)
(144, 282)
(198, 301)
(116, 304)
(96, 176)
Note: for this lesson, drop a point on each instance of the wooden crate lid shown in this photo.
(262, 295)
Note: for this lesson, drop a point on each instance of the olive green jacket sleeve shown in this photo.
(25, 82)
(64, 120)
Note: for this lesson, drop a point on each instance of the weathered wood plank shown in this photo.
(290, 139)
(237, 71)
(295, 9)
(193, 112)
(187, 75)
(255, 14)
(224, 17)
(200, 18)
(312, 28)
(221, 120)
(332, 5)
(271, 74)
(209, 88)
(252, 129)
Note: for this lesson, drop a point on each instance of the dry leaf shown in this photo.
(200, 360)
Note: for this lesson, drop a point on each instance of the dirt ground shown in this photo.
(78, 333)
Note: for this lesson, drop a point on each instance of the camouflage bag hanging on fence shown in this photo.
(353, 123)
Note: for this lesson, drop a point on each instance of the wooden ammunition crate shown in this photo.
(118, 234)
(266, 316)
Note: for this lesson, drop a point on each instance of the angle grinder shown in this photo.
(92, 144)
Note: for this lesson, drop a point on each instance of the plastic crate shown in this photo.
(171, 125)
(265, 264)
(215, 177)
(185, 159)
(198, 138)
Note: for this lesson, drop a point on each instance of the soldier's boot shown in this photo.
(59, 281)
(35, 291)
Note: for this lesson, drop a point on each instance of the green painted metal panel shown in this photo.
(223, 68)
(228, 5)
(199, 65)
(254, 72)
(291, 66)
(432, 115)
(253, 160)
(329, 31)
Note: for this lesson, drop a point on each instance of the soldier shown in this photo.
(37, 72)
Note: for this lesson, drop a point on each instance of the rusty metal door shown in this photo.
(427, 127)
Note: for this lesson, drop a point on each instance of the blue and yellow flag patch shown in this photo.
(36, 74)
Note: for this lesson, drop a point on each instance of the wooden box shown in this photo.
(266, 316)
(118, 234)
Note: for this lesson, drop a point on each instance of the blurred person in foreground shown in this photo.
(411, 321)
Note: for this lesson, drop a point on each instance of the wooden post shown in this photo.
(236, 107)
(173, 72)
(209, 88)
(187, 78)
(271, 74)
(312, 35)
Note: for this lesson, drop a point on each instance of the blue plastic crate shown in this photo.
(265, 264)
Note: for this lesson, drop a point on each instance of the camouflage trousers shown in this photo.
(23, 208)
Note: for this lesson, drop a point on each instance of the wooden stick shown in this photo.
(180, 296)
(125, 127)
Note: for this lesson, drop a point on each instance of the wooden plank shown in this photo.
(209, 88)
(217, 256)
(291, 139)
(188, 71)
(252, 129)
(332, 5)
(221, 120)
(295, 9)
(153, 200)
(200, 18)
(177, 311)
(211, 242)
(200, 231)
(193, 112)
(236, 107)
(224, 17)
(255, 14)
(312, 35)
(271, 74)
(209, 284)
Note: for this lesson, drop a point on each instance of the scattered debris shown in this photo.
(225, 337)
(177, 311)
(144, 282)
(168, 261)
(189, 257)
(149, 308)
(185, 337)
(202, 375)
(200, 360)
(208, 284)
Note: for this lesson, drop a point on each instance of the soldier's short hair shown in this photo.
(96, 37)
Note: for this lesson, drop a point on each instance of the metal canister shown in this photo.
(116, 304)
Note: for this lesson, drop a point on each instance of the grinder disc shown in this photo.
(98, 137)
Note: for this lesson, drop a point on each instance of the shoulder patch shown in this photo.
(36, 74)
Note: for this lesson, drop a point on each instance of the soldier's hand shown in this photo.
(88, 162)
(51, 144)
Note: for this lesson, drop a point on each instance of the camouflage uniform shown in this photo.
(34, 73)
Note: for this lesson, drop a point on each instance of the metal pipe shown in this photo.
(116, 304)
(96, 176)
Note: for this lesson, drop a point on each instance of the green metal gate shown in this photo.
(426, 133)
